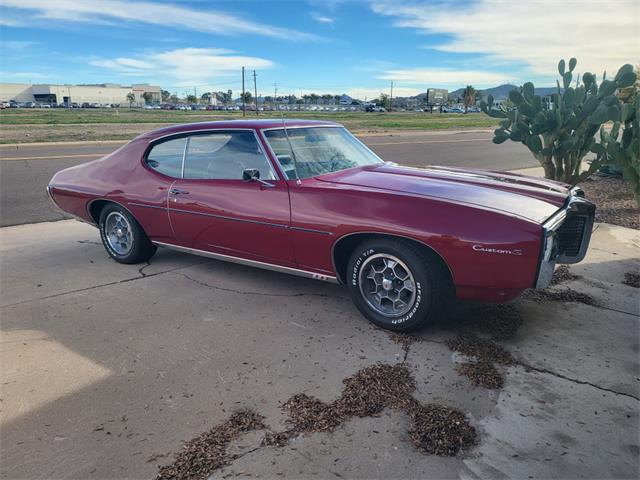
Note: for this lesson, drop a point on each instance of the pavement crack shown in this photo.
(574, 380)
(141, 269)
(95, 287)
(261, 294)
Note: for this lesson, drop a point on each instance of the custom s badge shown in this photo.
(502, 251)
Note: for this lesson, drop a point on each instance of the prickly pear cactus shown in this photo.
(560, 133)
(621, 146)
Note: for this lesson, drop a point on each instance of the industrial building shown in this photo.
(102, 94)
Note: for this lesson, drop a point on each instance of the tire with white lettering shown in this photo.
(395, 285)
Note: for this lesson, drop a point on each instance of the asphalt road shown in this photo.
(26, 170)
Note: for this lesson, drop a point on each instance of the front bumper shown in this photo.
(566, 236)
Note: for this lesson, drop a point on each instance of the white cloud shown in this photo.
(182, 66)
(602, 36)
(163, 14)
(436, 77)
(25, 76)
(322, 18)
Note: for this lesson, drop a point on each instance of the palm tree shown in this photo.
(469, 97)
(131, 98)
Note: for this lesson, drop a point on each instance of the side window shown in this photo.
(166, 157)
(224, 156)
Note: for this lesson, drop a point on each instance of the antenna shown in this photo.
(293, 154)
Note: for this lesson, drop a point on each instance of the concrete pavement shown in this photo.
(106, 369)
(25, 170)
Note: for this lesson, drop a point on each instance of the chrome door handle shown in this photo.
(177, 191)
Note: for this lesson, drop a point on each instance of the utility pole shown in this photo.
(255, 91)
(275, 93)
(391, 98)
(244, 105)
(195, 93)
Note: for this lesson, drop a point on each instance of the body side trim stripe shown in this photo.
(251, 263)
(223, 217)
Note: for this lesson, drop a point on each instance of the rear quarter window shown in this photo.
(166, 157)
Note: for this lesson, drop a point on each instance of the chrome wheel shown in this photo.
(387, 285)
(118, 232)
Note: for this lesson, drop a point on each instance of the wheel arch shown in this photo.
(342, 248)
(94, 207)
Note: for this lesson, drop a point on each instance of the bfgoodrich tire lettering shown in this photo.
(394, 284)
(123, 237)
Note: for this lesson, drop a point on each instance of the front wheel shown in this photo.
(123, 237)
(395, 285)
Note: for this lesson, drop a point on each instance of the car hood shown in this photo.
(532, 198)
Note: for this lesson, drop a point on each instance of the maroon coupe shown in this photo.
(308, 198)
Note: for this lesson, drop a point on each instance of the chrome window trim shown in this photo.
(189, 133)
(184, 155)
(251, 263)
(337, 125)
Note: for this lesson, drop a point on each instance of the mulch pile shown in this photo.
(208, 452)
(483, 374)
(486, 354)
(614, 201)
(562, 275)
(500, 321)
(564, 295)
(405, 340)
(435, 429)
(632, 279)
(482, 349)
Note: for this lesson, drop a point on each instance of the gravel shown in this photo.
(614, 201)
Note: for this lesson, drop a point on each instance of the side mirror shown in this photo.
(250, 174)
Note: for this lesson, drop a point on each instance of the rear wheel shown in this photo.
(123, 237)
(396, 285)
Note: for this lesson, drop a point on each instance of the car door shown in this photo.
(213, 208)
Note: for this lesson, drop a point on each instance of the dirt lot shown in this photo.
(110, 371)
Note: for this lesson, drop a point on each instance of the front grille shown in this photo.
(570, 236)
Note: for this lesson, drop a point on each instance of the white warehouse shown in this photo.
(103, 94)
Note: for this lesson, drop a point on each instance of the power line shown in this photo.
(255, 91)
(244, 104)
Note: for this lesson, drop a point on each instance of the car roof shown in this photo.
(255, 124)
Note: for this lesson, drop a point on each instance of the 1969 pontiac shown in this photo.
(307, 198)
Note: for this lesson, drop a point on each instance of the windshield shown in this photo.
(318, 150)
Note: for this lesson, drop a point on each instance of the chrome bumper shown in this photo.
(566, 236)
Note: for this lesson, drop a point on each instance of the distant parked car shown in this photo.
(308, 199)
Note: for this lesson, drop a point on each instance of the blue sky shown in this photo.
(330, 46)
